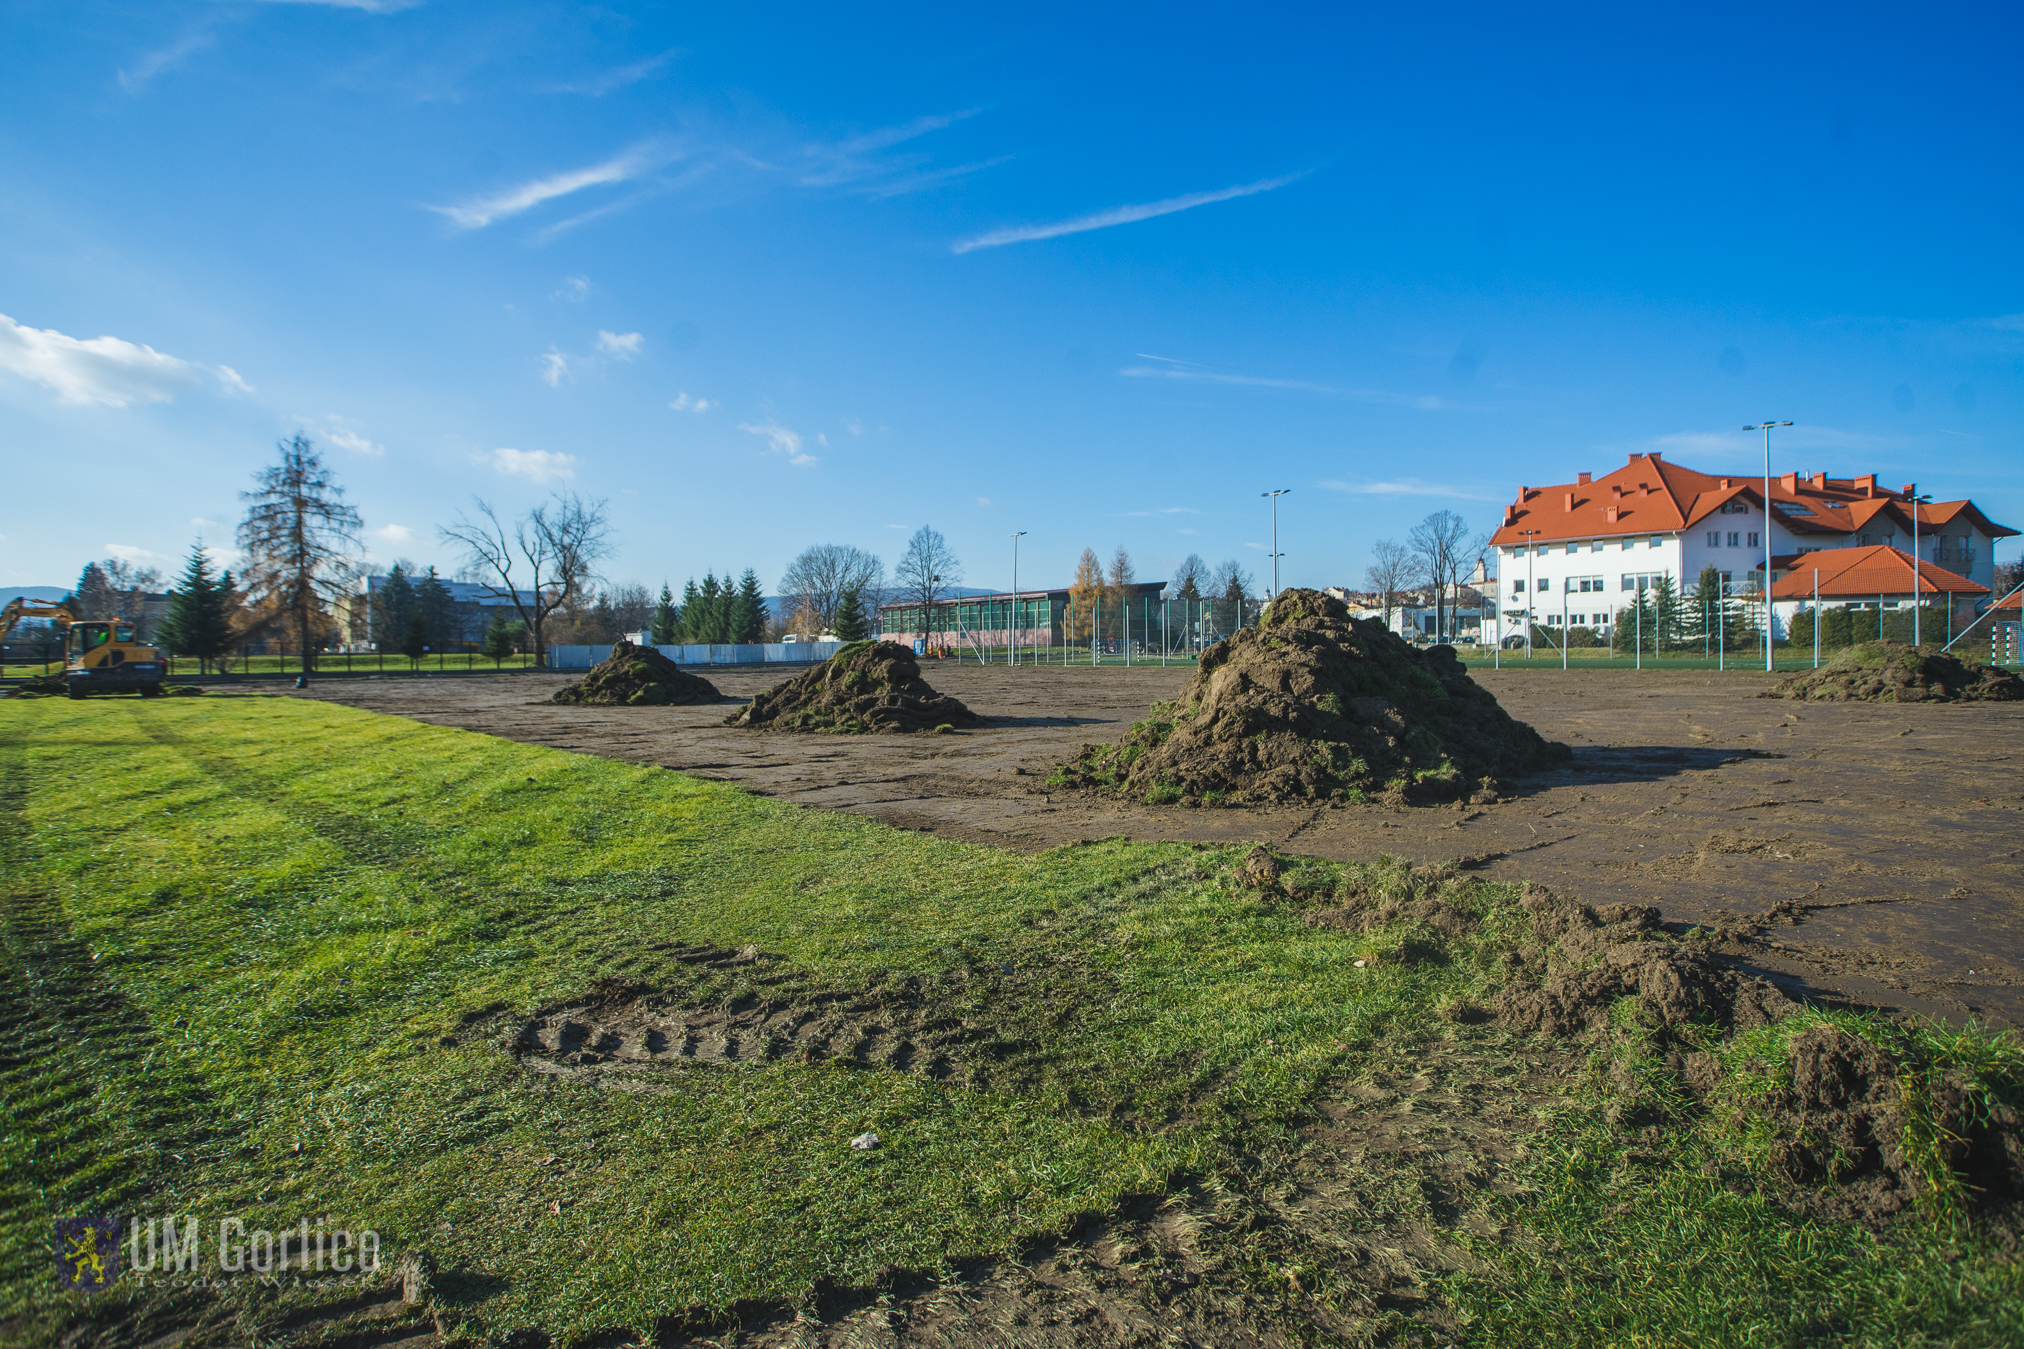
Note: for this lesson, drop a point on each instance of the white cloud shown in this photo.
(1118, 215)
(346, 439)
(539, 465)
(394, 533)
(853, 425)
(555, 368)
(822, 439)
(597, 86)
(201, 523)
(574, 289)
(983, 501)
(127, 552)
(482, 211)
(684, 403)
(164, 58)
(780, 440)
(1167, 510)
(108, 370)
(1171, 368)
(231, 379)
(1407, 487)
(369, 6)
(624, 346)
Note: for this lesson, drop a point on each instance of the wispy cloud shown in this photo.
(155, 62)
(1165, 510)
(574, 289)
(394, 533)
(346, 439)
(623, 346)
(828, 164)
(927, 178)
(127, 552)
(684, 403)
(1404, 487)
(597, 86)
(1119, 215)
(1172, 368)
(368, 6)
(482, 211)
(555, 368)
(539, 465)
(984, 501)
(779, 440)
(105, 370)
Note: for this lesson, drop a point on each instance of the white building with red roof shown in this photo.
(1574, 553)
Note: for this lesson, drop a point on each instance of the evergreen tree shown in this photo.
(666, 627)
(199, 622)
(850, 620)
(415, 640)
(499, 637)
(393, 604)
(437, 611)
(748, 610)
(1705, 608)
(1665, 614)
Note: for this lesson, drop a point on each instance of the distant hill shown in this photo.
(33, 592)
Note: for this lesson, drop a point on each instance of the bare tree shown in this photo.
(1390, 572)
(1191, 578)
(1230, 586)
(555, 547)
(1440, 547)
(815, 583)
(1117, 582)
(298, 538)
(114, 589)
(927, 570)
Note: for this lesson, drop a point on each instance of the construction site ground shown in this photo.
(1876, 848)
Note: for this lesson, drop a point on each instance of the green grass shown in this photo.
(253, 947)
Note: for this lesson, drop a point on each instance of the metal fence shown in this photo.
(756, 653)
(1144, 631)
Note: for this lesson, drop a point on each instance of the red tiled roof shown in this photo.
(1859, 573)
(1650, 496)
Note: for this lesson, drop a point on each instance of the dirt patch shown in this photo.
(40, 686)
(1313, 705)
(992, 1026)
(638, 676)
(1894, 672)
(866, 687)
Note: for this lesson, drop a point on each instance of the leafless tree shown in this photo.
(115, 589)
(555, 548)
(815, 583)
(1229, 587)
(1390, 571)
(1440, 548)
(298, 537)
(1191, 578)
(927, 570)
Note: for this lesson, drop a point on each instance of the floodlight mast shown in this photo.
(1770, 657)
(1914, 499)
(1275, 494)
(1013, 622)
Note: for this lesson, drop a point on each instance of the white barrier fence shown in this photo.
(757, 653)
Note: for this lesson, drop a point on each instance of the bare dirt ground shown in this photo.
(1876, 848)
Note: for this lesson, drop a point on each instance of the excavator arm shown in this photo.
(23, 606)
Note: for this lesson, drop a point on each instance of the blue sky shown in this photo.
(771, 276)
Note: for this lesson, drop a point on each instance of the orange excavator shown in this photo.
(100, 655)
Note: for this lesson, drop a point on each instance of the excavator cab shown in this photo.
(88, 637)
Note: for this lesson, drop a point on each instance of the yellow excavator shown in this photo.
(100, 655)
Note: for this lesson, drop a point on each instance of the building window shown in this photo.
(1543, 586)
(1735, 539)
(1655, 540)
(1540, 551)
(1714, 538)
(1553, 620)
(1753, 540)
(1518, 587)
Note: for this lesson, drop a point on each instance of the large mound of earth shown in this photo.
(638, 676)
(865, 687)
(1312, 705)
(1893, 672)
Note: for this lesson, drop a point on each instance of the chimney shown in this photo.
(1654, 455)
(1820, 480)
(1791, 481)
(1611, 513)
(1911, 490)
(1866, 484)
(1617, 488)
(1568, 498)
(1581, 480)
(1726, 484)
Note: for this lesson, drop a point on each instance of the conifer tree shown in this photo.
(498, 639)
(392, 606)
(748, 610)
(707, 626)
(437, 610)
(689, 617)
(850, 620)
(199, 622)
(665, 629)
(415, 640)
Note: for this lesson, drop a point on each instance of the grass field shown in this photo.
(259, 954)
(183, 667)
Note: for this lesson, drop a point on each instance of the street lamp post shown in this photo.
(1013, 623)
(1770, 661)
(1913, 500)
(1531, 588)
(1275, 494)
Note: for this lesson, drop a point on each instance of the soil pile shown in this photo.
(40, 686)
(638, 676)
(1893, 672)
(1313, 705)
(865, 687)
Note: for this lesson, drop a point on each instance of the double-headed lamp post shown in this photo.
(1531, 588)
(1275, 494)
(1013, 622)
(1914, 500)
(1770, 658)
